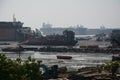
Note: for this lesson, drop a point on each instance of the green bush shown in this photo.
(19, 70)
(111, 66)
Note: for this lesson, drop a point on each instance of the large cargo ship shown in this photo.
(67, 39)
(38, 41)
(48, 29)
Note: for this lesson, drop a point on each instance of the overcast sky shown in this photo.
(61, 13)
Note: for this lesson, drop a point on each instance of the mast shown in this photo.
(14, 19)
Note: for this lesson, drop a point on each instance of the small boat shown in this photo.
(63, 57)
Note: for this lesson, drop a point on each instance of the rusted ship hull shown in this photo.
(64, 57)
(49, 42)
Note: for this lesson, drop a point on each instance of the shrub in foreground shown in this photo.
(19, 70)
(112, 66)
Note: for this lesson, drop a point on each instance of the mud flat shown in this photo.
(87, 73)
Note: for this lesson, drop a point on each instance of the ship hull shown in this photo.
(64, 57)
(49, 42)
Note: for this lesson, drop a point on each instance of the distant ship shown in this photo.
(67, 39)
(47, 29)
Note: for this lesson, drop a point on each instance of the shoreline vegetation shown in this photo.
(32, 69)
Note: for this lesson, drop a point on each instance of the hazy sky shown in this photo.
(61, 13)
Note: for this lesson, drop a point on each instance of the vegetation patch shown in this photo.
(19, 69)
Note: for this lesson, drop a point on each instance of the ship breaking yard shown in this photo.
(90, 45)
(63, 56)
(61, 70)
(59, 39)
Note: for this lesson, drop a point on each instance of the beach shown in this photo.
(79, 61)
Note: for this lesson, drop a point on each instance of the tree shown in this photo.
(19, 70)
